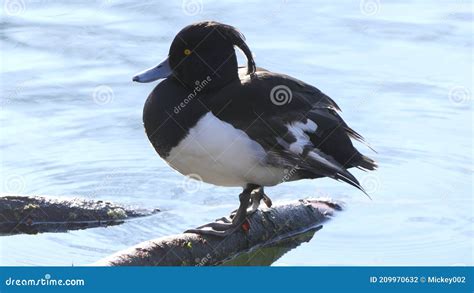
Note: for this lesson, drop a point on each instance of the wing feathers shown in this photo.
(306, 133)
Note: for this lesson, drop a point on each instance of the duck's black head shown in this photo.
(201, 51)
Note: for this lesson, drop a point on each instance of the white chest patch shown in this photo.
(222, 155)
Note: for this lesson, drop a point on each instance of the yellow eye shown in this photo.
(187, 52)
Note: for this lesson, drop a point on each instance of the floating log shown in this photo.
(281, 227)
(36, 214)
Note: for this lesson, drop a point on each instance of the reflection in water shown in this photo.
(268, 253)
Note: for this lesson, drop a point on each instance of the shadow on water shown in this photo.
(267, 253)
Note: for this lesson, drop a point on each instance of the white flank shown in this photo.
(299, 129)
(222, 155)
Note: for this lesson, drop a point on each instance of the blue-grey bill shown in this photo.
(162, 70)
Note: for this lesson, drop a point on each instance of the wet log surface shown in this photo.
(273, 232)
(36, 214)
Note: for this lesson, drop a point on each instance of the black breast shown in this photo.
(169, 112)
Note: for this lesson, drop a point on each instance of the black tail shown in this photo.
(364, 163)
(350, 179)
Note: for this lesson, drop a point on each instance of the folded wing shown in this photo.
(304, 135)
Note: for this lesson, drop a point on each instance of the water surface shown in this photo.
(70, 121)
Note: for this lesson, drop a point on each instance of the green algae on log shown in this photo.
(37, 214)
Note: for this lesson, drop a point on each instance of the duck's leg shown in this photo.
(255, 198)
(226, 228)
